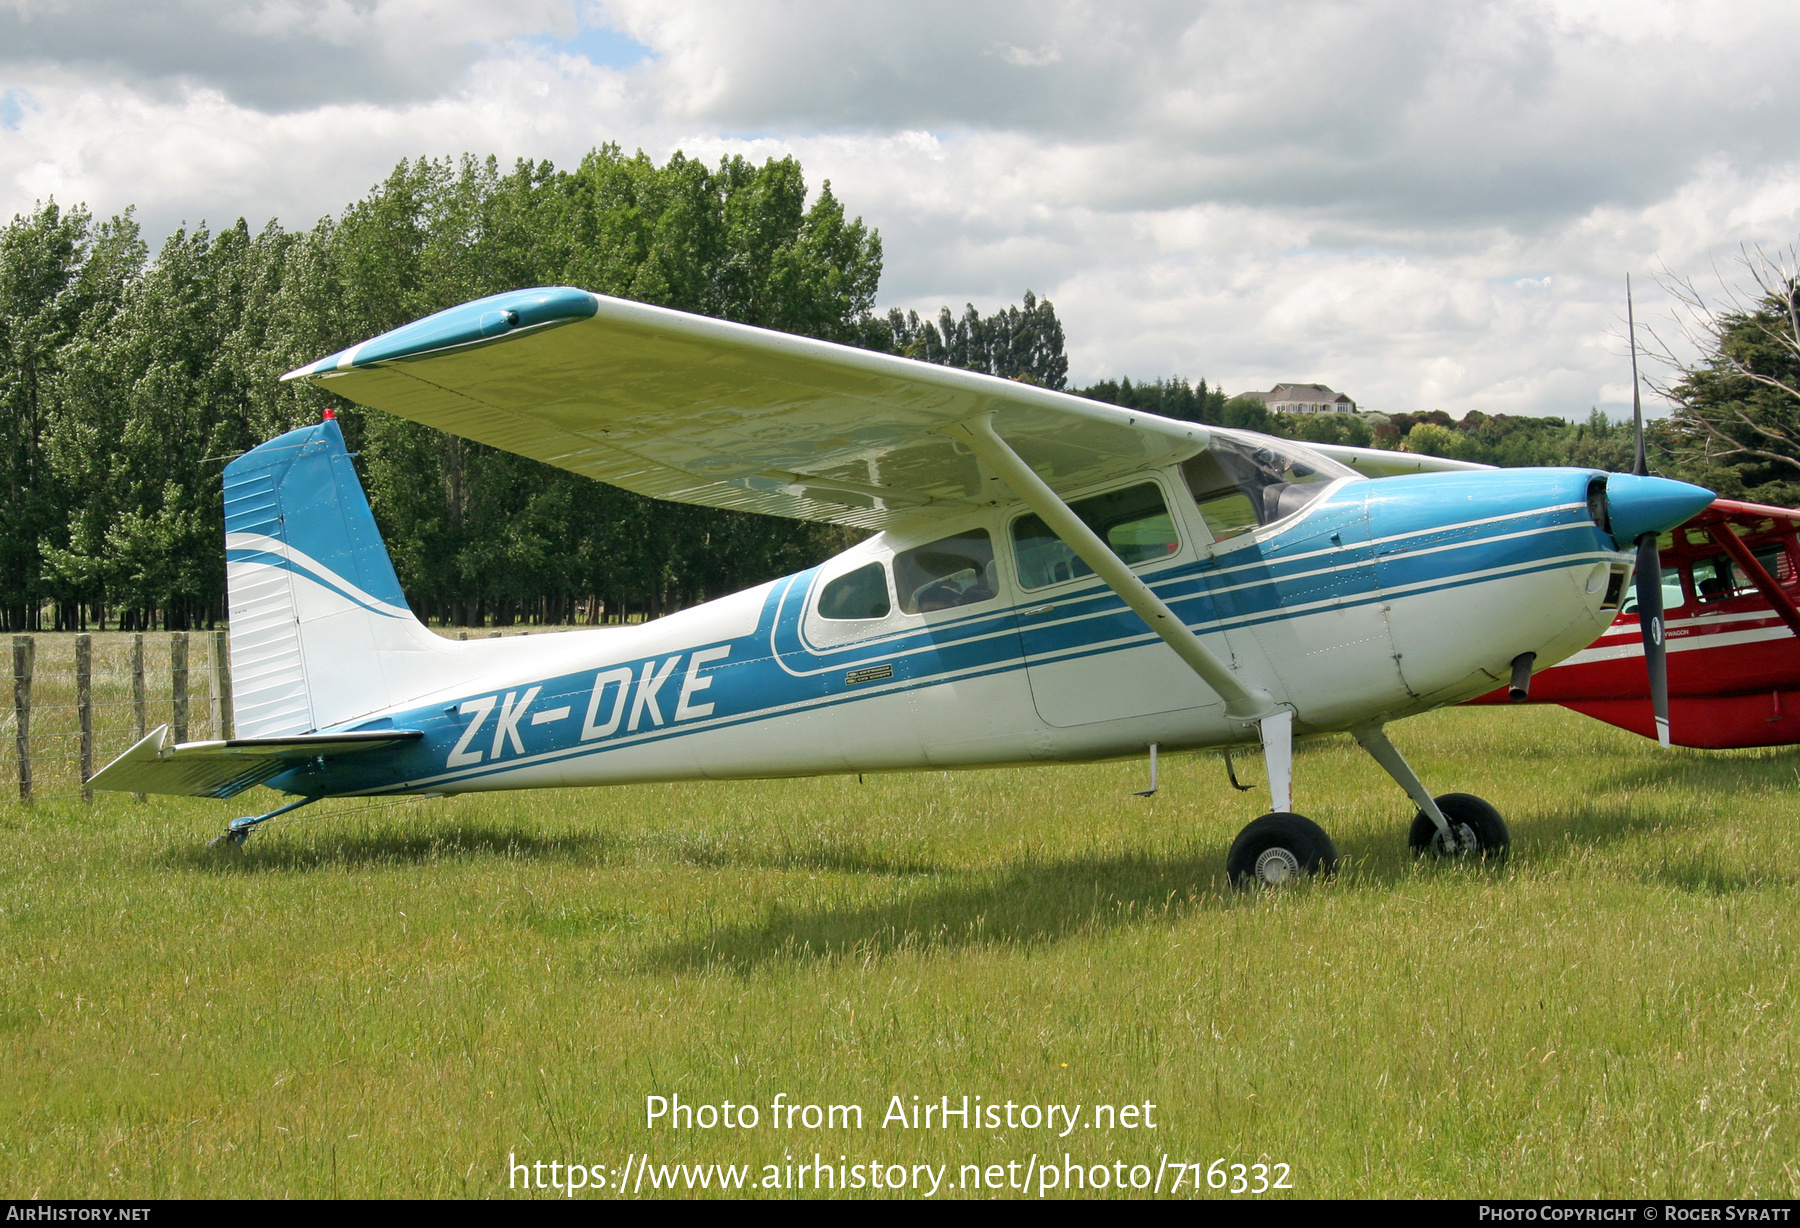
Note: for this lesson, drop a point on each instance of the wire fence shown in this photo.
(79, 700)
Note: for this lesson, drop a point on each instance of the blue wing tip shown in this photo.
(480, 320)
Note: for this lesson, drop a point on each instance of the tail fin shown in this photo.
(316, 609)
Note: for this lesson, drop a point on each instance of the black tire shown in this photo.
(1277, 848)
(1472, 819)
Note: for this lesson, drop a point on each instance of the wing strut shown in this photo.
(1241, 702)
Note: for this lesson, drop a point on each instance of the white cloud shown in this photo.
(1429, 205)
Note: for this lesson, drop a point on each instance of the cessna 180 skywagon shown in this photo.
(1051, 579)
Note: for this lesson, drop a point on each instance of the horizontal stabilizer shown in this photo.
(158, 764)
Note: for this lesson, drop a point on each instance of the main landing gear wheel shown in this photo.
(1478, 827)
(1280, 848)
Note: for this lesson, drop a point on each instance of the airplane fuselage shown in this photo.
(1379, 600)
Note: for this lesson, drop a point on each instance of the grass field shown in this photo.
(391, 1001)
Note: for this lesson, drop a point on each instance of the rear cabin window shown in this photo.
(860, 594)
(1135, 522)
(950, 572)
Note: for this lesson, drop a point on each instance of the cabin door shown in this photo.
(1090, 658)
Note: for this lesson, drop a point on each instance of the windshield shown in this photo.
(1244, 480)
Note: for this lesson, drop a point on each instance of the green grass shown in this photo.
(390, 1001)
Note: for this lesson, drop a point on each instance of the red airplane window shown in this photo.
(1776, 562)
(1672, 595)
(1716, 578)
(949, 572)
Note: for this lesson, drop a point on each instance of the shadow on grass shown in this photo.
(1699, 876)
(1727, 771)
(1035, 903)
(330, 850)
(1026, 904)
(1596, 824)
(819, 857)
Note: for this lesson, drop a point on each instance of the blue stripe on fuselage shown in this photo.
(1360, 544)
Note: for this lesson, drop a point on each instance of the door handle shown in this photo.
(1043, 609)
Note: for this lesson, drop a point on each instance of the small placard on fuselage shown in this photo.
(869, 673)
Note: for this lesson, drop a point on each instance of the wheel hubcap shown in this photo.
(1462, 840)
(1276, 866)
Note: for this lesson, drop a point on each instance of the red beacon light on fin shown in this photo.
(330, 413)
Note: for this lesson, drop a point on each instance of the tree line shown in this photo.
(128, 380)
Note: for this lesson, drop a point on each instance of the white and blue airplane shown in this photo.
(1050, 579)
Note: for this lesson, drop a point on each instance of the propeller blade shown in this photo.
(1649, 559)
(1650, 623)
(1640, 466)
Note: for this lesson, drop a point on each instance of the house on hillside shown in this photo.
(1303, 399)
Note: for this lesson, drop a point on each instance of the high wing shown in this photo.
(1380, 463)
(706, 411)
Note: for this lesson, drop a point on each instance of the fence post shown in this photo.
(137, 693)
(137, 688)
(178, 684)
(23, 654)
(84, 706)
(224, 717)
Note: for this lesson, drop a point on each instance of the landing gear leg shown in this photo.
(1449, 826)
(1281, 846)
(238, 830)
(1278, 757)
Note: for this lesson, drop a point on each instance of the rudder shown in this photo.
(315, 604)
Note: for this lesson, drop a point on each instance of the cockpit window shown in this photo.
(1134, 521)
(1243, 481)
(859, 594)
(951, 571)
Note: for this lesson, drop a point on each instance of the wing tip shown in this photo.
(480, 320)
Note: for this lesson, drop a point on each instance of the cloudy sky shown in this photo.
(1426, 203)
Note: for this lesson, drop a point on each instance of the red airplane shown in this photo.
(1730, 577)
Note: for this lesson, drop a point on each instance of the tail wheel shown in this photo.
(1478, 828)
(1280, 848)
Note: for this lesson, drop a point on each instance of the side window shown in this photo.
(1715, 579)
(1775, 561)
(1135, 522)
(1227, 515)
(862, 593)
(949, 572)
(1672, 596)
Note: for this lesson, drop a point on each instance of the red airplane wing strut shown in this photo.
(1772, 592)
